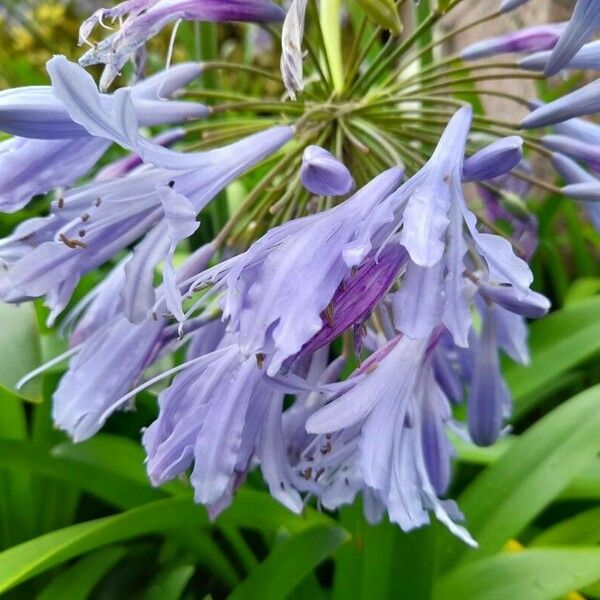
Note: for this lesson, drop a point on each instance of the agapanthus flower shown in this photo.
(574, 175)
(276, 292)
(588, 57)
(508, 5)
(145, 18)
(31, 164)
(433, 219)
(101, 218)
(393, 420)
(530, 39)
(584, 101)
(323, 174)
(402, 274)
(583, 24)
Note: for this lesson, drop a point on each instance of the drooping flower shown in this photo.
(39, 112)
(108, 364)
(396, 414)
(102, 218)
(276, 292)
(435, 290)
(145, 18)
(489, 400)
(218, 414)
(323, 174)
(36, 165)
(583, 24)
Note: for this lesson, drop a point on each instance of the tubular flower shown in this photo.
(332, 252)
(583, 24)
(54, 151)
(145, 18)
(530, 39)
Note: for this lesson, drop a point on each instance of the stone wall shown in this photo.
(537, 11)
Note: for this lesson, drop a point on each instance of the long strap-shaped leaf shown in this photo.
(557, 344)
(505, 497)
(289, 563)
(532, 574)
(255, 510)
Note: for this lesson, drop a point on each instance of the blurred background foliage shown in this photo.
(82, 521)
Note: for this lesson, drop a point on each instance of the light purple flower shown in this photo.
(532, 305)
(583, 24)
(575, 148)
(29, 167)
(145, 18)
(34, 166)
(573, 174)
(276, 292)
(102, 218)
(489, 400)
(39, 111)
(584, 101)
(321, 173)
(530, 39)
(498, 158)
(107, 365)
(435, 290)
(218, 414)
(587, 58)
(509, 5)
(393, 420)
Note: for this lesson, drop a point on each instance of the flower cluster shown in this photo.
(360, 227)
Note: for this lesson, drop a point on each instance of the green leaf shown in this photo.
(289, 563)
(582, 529)
(20, 350)
(384, 13)
(532, 574)
(17, 511)
(170, 585)
(254, 510)
(557, 343)
(22, 562)
(505, 497)
(77, 582)
(111, 487)
(582, 289)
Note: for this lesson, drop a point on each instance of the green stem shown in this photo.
(332, 36)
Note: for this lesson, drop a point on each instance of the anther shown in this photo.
(98, 202)
(260, 360)
(82, 233)
(328, 314)
(319, 473)
(61, 203)
(307, 473)
(326, 449)
(85, 217)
